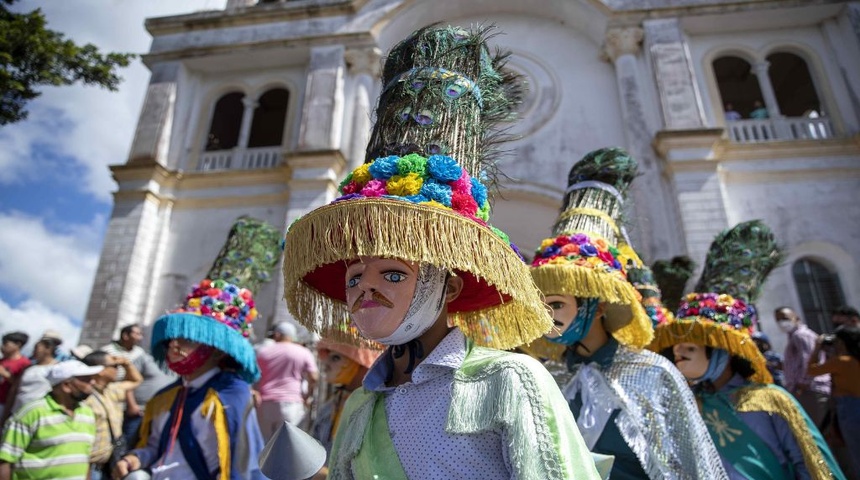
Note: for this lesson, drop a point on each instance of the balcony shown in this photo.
(780, 129)
(240, 159)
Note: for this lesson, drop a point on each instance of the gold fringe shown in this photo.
(381, 227)
(705, 332)
(639, 332)
(759, 398)
(632, 327)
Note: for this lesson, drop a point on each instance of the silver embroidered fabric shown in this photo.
(659, 418)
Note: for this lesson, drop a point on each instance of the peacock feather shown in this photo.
(249, 255)
(672, 277)
(445, 93)
(739, 261)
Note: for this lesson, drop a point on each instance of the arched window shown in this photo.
(226, 122)
(793, 85)
(267, 128)
(820, 292)
(739, 86)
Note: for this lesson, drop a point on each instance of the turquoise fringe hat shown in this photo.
(217, 314)
(208, 331)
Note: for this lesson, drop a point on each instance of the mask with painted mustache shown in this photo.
(376, 297)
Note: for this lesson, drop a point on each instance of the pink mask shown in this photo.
(193, 361)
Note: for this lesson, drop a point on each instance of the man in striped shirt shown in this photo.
(51, 438)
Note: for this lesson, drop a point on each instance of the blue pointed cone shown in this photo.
(291, 454)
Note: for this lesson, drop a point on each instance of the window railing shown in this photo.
(770, 130)
(244, 159)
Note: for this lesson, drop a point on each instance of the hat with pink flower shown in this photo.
(422, 195)
(220, 310)
(720, 314)
(589, 254)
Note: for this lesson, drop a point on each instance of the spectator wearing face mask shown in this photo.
(812, 392)
(52, 437)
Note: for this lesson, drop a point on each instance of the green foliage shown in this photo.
(32, 55)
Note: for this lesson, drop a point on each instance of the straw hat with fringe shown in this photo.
(422, 196)
(737, 264)
(588, 254)
(219, 310)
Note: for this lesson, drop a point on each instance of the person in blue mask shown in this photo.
(628, 402)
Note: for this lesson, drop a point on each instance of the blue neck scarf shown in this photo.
(580, 325)
(716, 366)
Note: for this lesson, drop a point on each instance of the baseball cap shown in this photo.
(70, 368)
(285, 328)
(53, 334)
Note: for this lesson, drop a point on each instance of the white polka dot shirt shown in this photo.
(417, 412)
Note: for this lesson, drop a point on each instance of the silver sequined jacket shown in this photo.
(658, 418)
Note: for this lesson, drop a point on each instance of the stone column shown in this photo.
(654, 214)
(843, 39)
(670, 58)
(123, 285)
(238, 160)
(152, 135)
(322, 111)
(760, 69)
(364, 65)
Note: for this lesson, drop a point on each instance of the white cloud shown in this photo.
(92, 125)
(34, 318)
(53, 267)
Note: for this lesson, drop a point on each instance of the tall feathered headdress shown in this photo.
(723, 315)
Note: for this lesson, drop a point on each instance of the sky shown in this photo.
(55, 185)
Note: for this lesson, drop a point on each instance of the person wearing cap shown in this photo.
(204, 426)
(12, 365)
(106, 402)
(284, 365)
(628, 402)
(760, 430)
(52, 437)
(345, 367)
(56, 338)
(32, 384)
(405, 257)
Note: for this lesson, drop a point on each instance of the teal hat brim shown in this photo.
(207, 331)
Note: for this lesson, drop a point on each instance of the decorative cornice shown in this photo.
(252, 15)
(349, 38)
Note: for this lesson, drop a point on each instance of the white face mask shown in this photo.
(426, 306)
(785, 325)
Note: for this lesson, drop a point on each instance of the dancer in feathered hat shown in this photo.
(408, 257)
(760, 431)
(204, 426)
(628, 402)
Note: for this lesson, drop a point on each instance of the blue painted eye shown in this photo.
(394, 277)
(456, 88)
(424, 118)
(404, 114)
(353, 282)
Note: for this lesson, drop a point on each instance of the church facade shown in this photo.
(735, 110)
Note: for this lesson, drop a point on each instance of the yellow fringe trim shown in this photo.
(585, 282)
(381, 227)
(705, 332)
(758, 398)
(541, 348)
